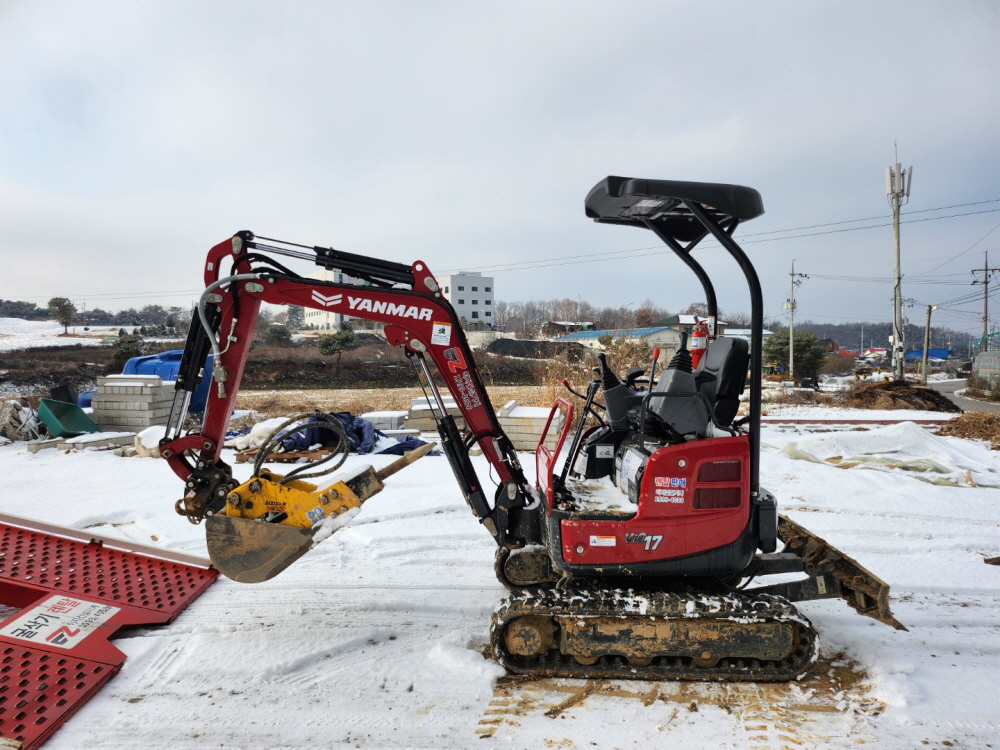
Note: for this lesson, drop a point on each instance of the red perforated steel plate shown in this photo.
(54, 653)
(39, 691)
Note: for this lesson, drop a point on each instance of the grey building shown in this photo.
(472, 295)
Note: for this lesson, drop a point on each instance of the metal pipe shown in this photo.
(685, 255)
(311, 257)
(178, 412)
(203, 301)
(433, 386)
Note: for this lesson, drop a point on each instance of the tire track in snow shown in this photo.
(861, 513)
(831, 702)
(231, 609)
(313, 669)
(156, 671)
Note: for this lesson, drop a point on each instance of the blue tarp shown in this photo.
(931, 354)
(361, 434)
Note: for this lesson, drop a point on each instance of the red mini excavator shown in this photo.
(630, 557)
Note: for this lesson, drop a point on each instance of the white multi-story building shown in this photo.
(471, 294)
(326, 320)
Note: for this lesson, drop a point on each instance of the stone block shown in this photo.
(97, 440)
(40, 445)
(141, 410)
(147, 396)
(386, 420)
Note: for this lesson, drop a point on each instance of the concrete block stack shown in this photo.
(524, 425)
(421, 417)
(386, 420)
(131, 402)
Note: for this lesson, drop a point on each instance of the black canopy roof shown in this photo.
(637, 202)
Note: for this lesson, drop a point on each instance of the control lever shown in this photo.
(569, 388)
(632, 375)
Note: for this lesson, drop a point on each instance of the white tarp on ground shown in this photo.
(901, 447)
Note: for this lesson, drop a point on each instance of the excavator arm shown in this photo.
(416, 316)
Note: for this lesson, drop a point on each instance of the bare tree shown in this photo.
(735, 319)
(501, 314)
(696, 308)
(265, 316)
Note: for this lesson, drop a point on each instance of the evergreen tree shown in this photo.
(344, 340)
(62, 310)
(808, 356)
(278, 335)
(296, 317)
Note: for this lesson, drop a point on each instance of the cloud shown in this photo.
(136, 136)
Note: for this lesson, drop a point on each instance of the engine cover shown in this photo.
(692, 498)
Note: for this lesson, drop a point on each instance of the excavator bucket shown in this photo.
(268, 524)
(251, 551)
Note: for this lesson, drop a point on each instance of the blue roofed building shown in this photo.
(745, 333)
(931, 354)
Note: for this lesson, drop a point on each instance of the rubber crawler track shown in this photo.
(736, 609)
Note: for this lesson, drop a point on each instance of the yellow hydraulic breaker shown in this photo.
(267, 525)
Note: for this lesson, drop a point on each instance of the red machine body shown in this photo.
(694, 498)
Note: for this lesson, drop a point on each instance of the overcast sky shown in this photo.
(134, 136)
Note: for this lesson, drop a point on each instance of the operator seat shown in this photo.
(721, 376)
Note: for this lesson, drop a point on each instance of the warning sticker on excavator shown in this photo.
(440, 334)
(60, 621)
(603, 541)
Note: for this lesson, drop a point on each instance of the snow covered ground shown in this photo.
(375, 639)
(18, 334)
(834, 413)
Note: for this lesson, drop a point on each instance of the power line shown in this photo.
(963, 252)
(871, 218)
(872, 226)
(885, 280)
(575, 259)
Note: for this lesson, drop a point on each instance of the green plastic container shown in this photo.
(64, 420)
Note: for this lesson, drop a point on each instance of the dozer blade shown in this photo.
(251, 551)
(833, 575)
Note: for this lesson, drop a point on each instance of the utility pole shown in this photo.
(986, 271)
(927, 342)
(897, 187)
(790, 305)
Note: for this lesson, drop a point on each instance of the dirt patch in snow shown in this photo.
(897, 395)
(806, 711)
(978, 425)
(359, 401)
